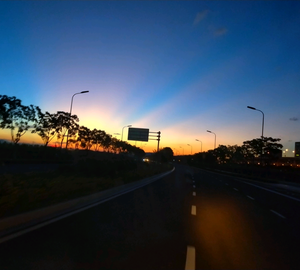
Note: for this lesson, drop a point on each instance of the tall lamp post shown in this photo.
(263, 120)
(191, 148)
(123, 130)
(82, 92)
(182, 150)
(215, 136)
(201, 144)
(262, 129)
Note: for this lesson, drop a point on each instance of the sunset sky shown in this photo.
(179, 67)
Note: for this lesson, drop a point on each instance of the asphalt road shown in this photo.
(208, 221)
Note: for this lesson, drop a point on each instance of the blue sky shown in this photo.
(179, 67)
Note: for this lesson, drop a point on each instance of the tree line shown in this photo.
(20, 119)
(266, 148)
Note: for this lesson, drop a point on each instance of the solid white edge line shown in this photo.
(235, 189)
(194, 210)
(276, 213)
(243, 181)
(194, 193)
(190, 263)
(271, 191)
(250, 198)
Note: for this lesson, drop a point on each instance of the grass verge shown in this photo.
(20, 193)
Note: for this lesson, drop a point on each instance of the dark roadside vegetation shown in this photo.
(35, 176)
(66, 174)
(256, 159)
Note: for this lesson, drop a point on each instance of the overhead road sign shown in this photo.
(138, 134)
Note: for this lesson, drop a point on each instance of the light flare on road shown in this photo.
(227, 237)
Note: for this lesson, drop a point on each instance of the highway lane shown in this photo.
(241, 226)
(215, 222)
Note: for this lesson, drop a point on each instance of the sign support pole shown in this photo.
(158, 140)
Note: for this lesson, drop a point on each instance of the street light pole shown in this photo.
(82, 92)
(263, 120)
(262, 129)
(201, 144)
(191, 148)
(215, 137)
(123, 130)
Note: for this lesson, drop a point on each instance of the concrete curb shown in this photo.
(14, 224)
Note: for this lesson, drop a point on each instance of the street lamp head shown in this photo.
(252, 108)
(129, 126)
(208, 131)
(188, 144)
(84, 92)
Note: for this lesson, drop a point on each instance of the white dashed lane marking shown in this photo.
(276, 213)
(194, 210)
(250, 198)
(194, 193)
(190, 263)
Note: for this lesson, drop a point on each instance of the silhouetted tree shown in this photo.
(238, 153)
(66, 123)
(163, 155)
(106, 141)
(85, 137)
(17, 117)
(272, 149)
(47, 126)
(222, 153)
(253, 147)
(98, 138)
(257, 147)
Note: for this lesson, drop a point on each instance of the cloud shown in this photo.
(221, 31)
(200, 16)
(294, 119)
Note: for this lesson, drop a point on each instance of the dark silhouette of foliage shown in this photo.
(66, 123)
(163, 155)
(85, 137)
(17, 117)
(259, 147)
(47, 127)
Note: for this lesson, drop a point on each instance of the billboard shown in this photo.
(138, 134)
